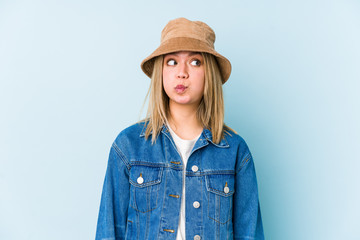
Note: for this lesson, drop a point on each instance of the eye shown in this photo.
(196, 62)
(171, 62)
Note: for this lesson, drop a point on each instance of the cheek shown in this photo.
(200, 81)
(166, 82)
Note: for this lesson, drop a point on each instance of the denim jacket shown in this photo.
(143, 187)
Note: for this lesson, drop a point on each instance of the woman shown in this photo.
(181, 173)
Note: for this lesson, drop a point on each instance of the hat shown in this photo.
(182, 34)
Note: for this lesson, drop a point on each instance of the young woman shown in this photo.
(181, 173)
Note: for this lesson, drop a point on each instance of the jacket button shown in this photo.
(196, 204)
(197, 237)
(194, 168)
(140, 180)
(226, 190)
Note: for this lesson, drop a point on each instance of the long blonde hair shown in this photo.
(210, 112)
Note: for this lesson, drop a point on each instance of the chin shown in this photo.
(183, 102)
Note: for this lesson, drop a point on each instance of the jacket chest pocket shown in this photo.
(145, 183)
(220, 190)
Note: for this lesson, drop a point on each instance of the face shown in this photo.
(184, 77)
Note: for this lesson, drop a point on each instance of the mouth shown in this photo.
(180, 88)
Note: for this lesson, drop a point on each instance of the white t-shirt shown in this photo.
(184, 147)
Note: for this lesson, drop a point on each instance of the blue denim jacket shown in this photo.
(143, 186)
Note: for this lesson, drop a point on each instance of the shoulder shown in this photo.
(236, 140)
(243, 153)
(130, 134)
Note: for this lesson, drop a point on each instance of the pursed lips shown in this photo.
(180, 88)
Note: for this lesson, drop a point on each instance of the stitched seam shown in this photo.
(221, 192)
(148, 220)
(215, 210)
(143, 211)
(162, 165)
(147, 184)
(219, 221)
(121, 155)
(219, 146)
(210, 173)
(150, 164)
(246, 160)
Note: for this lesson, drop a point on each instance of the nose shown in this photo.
(183, 72)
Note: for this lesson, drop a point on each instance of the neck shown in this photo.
(183, 120)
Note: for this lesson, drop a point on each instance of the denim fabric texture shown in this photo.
(143, 186)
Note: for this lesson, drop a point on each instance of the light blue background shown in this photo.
(70, 81)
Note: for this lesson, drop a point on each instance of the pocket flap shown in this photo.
(221, 184)
(144, 176)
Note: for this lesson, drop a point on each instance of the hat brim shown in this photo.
(186, 44)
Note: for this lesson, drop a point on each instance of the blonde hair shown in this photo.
(210, 112)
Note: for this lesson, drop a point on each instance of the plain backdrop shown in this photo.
(70, 81)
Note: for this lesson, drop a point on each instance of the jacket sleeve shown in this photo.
(246, 216)
(114, 203)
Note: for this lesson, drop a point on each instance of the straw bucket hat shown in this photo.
(182, 34)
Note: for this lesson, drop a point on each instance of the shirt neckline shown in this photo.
(179, 138)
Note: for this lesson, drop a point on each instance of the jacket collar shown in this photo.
(206, 134)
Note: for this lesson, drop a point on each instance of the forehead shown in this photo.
(183, 54)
